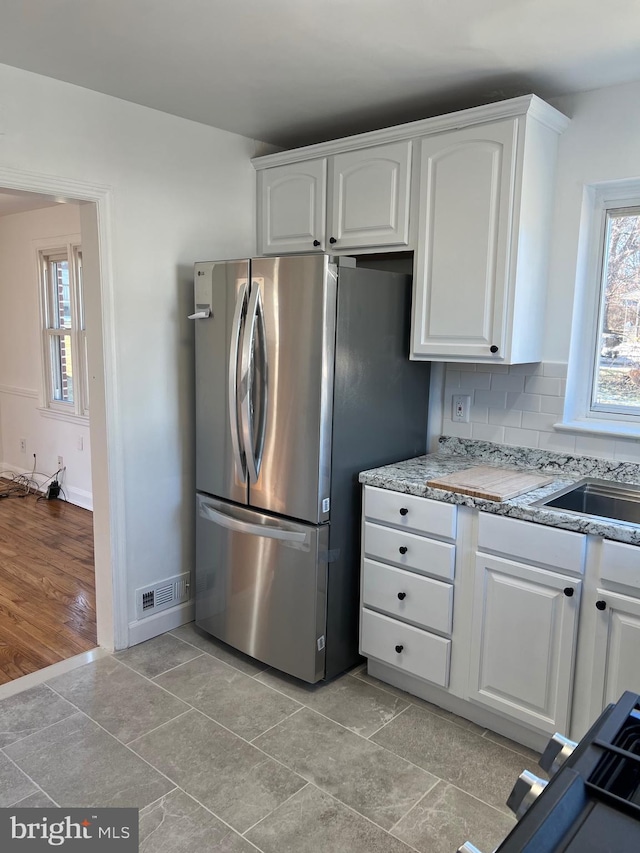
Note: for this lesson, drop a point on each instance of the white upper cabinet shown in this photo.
(368, 202)
(484, 224)
(292, 205)
(466, 185)
(477, 213)
(369, 197)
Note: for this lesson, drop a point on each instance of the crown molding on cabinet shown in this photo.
(526, 104)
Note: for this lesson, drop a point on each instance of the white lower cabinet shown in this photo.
(408, 648)
(616, 665)
(407, 583)
(408, 596)
(523, 641)
(496, 618)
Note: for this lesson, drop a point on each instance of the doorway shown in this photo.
(47, 578)
(94, 204)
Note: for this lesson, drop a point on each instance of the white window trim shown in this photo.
(77, 411)
(585, 335)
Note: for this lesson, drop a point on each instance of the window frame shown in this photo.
(579, 413)
(67, 248)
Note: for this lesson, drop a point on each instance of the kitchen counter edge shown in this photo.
(410, 477)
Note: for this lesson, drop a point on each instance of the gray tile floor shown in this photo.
(223, 754)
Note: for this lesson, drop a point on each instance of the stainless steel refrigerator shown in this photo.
(302, 380)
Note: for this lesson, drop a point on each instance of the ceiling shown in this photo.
(19, 202)
(292, 72)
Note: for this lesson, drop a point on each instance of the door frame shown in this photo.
(106, 445)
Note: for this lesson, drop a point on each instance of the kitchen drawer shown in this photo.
(620, 563)
(532, 543)
(427, 602)
(409, 512)
(408, 551)
(421, 653)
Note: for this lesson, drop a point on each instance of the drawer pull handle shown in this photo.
(403, 510)
(568, 591)
(601, 605)
(403, 549)
(402, 596)
(399, 649)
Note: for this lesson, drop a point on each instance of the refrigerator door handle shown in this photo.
(246, 384)
(224, 520)
(233, 381)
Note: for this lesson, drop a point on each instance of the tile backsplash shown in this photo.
(519, 404)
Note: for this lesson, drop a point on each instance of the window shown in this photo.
(603, 383)
(616, 374)
(64, 336)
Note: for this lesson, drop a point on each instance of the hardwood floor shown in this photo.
(47, 584)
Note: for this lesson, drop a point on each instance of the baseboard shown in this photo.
(78, 497)
(153, 626)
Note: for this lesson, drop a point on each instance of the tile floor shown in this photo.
(222, 754)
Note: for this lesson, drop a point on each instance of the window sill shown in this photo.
(591, 426)
(69, 417)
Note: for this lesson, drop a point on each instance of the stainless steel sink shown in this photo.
(597, 499)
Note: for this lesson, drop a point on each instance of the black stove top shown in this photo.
(592, 803)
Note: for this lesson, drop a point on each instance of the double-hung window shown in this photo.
(616, 374)
(603, 389)
(64, 335)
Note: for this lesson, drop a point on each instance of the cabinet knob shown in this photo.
(399, 648)
(332, 240)
(403, 510)
(493, 348)
(403, 549)
(568, 591)
(402, 596)
(601, 605)
(316, 242)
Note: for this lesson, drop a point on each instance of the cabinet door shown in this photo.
(523, 642)
(369, 197)
(464, 231)
(616, 649)
(292, 208)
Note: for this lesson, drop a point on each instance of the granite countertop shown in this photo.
(411, 476)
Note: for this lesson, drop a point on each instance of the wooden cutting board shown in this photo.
(492, 484)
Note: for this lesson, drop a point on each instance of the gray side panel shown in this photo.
(265, 596)
(379, 416)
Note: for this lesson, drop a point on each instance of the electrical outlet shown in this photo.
(23, 445)
(461, 407)
(80, 443)
(60, 461)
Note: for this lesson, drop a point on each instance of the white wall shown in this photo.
(20, 362)
(602, 143)
(180, 192)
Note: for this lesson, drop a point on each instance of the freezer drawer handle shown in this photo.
(238, 526)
